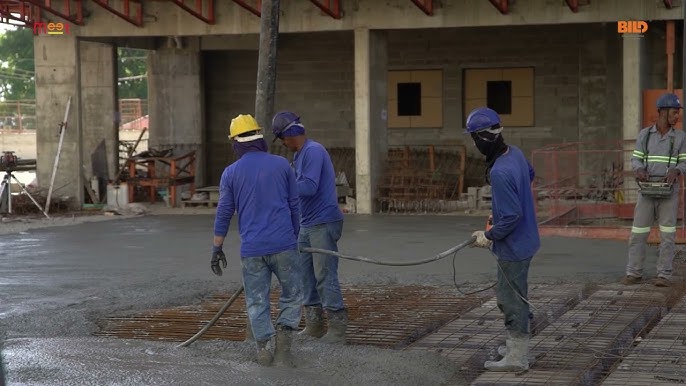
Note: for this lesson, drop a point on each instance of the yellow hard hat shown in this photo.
(243, 123)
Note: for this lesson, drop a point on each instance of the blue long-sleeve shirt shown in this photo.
(515, 229)
(261, 188)
(316, 180)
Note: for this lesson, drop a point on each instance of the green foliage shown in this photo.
(132, 62)
(17, 66)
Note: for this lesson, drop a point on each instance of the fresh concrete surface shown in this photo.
(57, 282)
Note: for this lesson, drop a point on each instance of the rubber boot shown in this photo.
(338, 323)
(264, 357)
(502, 350)
(248, 333)
(282, 351)
(516, 358)
(314, 322)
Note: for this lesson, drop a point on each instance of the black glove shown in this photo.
(641, 174)
(217, 256)
(672, 175)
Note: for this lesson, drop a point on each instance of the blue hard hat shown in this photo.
(668, 101)
(282, 121)
(482, 118)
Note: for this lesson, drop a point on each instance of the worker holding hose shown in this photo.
(260, 187)
(659, 157)
(320, 227)
(514, 235)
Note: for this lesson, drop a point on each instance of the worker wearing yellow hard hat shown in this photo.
(261, 188)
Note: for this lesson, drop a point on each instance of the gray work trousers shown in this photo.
(646, 211)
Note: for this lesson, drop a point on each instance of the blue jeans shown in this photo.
(257, 280)
(513, 276)
(320, 272)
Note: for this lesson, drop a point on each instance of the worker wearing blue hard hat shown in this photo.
(658, 161)
(321, 227)
(513, 237)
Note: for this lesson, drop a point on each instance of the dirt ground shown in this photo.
(58, 281)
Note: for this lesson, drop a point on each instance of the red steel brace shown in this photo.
(425, 5)
(18, 11)
(256, 10)
(136, 19)
(573, 5)
(330, 7)
(501, 5)
(67, 15)
(199, 9)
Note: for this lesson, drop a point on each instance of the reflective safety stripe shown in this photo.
(642, 229)
(667, 229)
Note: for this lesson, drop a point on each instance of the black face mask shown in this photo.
(492, 146)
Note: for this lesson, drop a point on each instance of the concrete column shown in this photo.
(57, 69)
(632, 85)
(371, 139)
(175, 103)
(99, 118)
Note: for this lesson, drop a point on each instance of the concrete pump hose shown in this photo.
(214, 320)
(337, 254)
(397, 264)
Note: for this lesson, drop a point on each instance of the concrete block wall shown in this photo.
(570, 65)
(315, 79)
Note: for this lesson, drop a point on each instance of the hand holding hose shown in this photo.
(481, 240)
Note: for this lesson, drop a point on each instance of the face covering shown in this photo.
(240, 148)
(492, 146)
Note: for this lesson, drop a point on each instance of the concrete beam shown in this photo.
(302, 16)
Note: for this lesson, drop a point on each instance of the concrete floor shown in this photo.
(57, 282)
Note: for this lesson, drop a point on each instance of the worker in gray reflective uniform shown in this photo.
(660, 156)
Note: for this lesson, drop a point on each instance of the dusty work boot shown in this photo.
(314, 322)
(264, 357)
(338, 323)
(248, 333)
(631, 280)
(282, 350)
(516, 358)
(662, 282)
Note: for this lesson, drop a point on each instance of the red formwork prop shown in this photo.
(129, 10)
(70, 10)
(590, 182)
(501, 5)
(427, 6)
(203, 10)
(254, 7)
(19, 13)
(330, 7)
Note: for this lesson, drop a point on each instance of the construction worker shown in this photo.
(260, 187)
(320, 227)
(660, 156)
(514, 235)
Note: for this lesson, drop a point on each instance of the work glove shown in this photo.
(641, 174)
(672, 175)
(481, 240)
(217, 256)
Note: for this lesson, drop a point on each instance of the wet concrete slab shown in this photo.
(57, 282)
